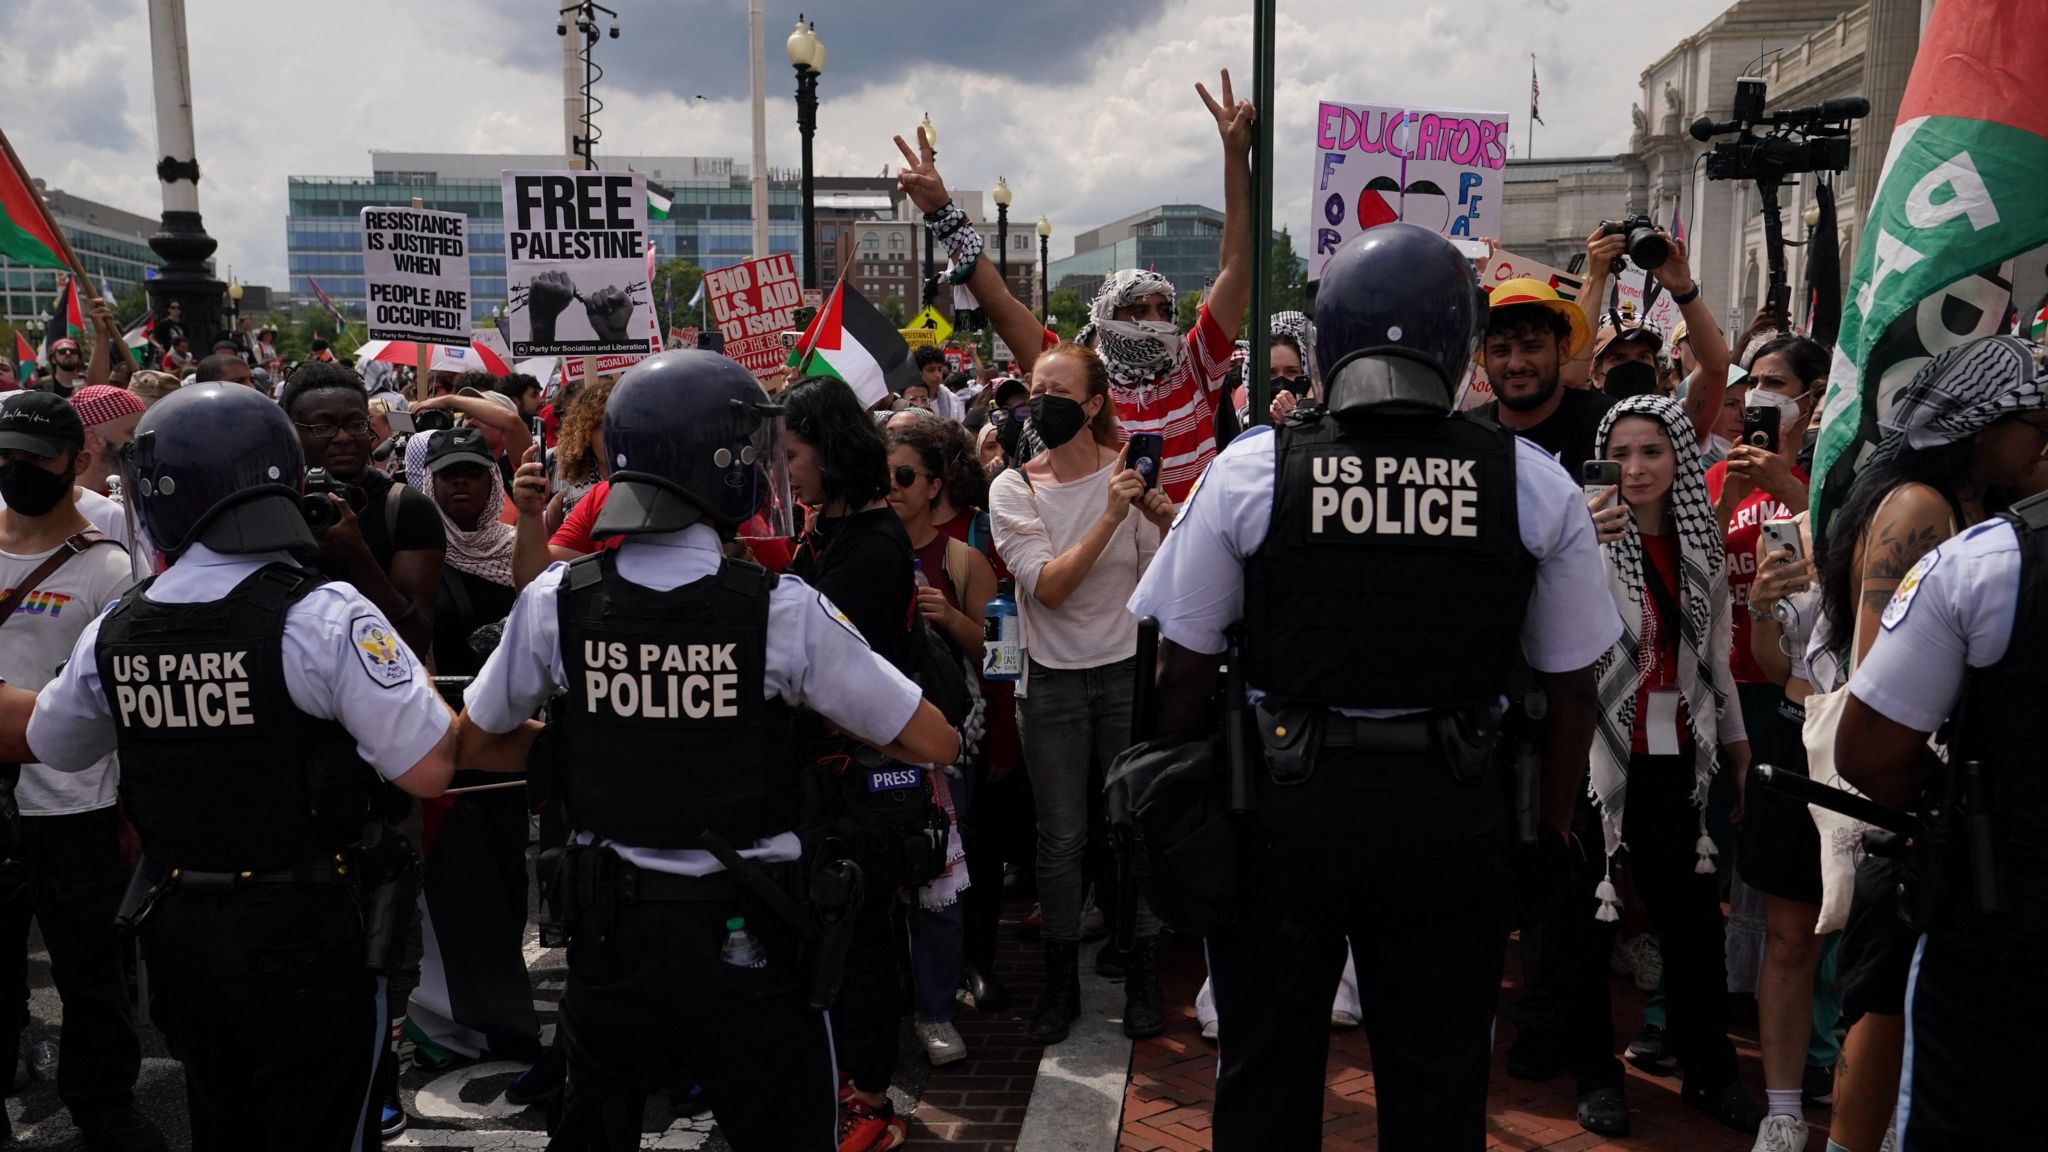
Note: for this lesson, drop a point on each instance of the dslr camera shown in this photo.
(1646, 246)
(320, 513)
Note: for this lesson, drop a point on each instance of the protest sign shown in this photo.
(956, 360)
(1002, 352)
(1376, 163)
(576, 263)
(416, 275)
(572, 367)
(753, 302)
(1663, 315)
(1505, 266)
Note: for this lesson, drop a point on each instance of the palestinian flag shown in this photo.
(2035, 325)
(474, 997)
(658, 202)
(1960, 197)
(25, 359)
(340, 320)
(27, 235)
(65, 319)
(137, 336)
(850, 340)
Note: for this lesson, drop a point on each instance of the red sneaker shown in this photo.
(868, 1128)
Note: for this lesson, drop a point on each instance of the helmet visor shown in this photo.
(775, 512)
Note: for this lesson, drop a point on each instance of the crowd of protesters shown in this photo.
(1700, 889)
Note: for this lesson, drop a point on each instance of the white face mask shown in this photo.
(1787, 406)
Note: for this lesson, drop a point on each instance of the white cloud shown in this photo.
(300, 89)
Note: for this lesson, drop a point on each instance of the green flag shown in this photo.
(1959, 198)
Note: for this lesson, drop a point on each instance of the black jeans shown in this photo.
(655, 999)
(75, 887)
(1660, 827)
(266, 998)
(1404, 857)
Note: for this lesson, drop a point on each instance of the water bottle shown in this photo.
(741, 950)
(917, 573)
(1002, 635)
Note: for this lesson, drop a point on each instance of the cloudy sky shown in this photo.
(1087, 106)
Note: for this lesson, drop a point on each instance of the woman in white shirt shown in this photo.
(1077, 530)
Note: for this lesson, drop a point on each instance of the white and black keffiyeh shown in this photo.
(1298, 326)
(486, 551)
(1967, 389)
(1137, 352)
(1704, 611)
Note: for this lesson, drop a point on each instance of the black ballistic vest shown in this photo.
(2001, 727)
(220, 771)
(1393, 573)
(667, 730)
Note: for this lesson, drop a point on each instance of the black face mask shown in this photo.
(31, 491)
(1056, 419)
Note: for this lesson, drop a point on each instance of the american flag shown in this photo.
(1535, 91)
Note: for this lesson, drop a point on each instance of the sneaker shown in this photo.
(942, 1042)
(1651, 1052)
(539, 1082)
(391, 1122)
(1646, 962)
(1620, 960)
(120, 1129)
(1209, 1031)
(1781, 1134)
(866, 1128)
(1817, 1086)
(1342, 1020)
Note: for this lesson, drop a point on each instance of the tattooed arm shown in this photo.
(1907, 526)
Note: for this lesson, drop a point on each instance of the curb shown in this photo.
(1077, 1101)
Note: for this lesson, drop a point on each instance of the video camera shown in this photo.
(1810, 139)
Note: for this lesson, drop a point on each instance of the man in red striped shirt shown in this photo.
(1162, 381)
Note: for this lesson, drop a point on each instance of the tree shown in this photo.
(892, 310)
(1066, 312)
(1187, 308)
(676, 279)
(1286, 281)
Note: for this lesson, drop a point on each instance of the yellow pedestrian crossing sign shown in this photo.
(930, 318)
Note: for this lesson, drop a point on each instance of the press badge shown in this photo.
(1660, 724)
(892, 779)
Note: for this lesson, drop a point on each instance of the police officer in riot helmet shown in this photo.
(675, 674)
(1429, 545)
(255, 707)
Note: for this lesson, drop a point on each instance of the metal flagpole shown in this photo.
(1264, 21)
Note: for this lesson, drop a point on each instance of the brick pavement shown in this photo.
(978, 1104)
(1166, 1106)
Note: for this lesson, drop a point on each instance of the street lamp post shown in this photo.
(1002, 199)
(585, 12)
(182, 240)
(234, 304)
(807, 56)
(1044, 289)
(931, 289)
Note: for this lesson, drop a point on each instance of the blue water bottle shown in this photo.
(1002, 635)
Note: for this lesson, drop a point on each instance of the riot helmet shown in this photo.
(1398, 315)
(689, 437)
(216, 464)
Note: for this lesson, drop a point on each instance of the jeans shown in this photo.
(940, 936)
(1074, 722)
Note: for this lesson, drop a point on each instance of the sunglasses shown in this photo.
(905, 476)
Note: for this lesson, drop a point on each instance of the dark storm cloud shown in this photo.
(687, 47)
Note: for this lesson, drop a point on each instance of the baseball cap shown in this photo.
(41, 423)
(1527, 290)
(99, 403)
(1009, 389)
(1627, 330)
(61, 345)
(452, 446)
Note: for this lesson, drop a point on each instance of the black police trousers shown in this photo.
(1974, 1006)
(74, 883)
(1408, 860)
(653, 999)
(265, 997)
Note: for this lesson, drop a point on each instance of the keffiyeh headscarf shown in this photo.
(1703, 602)
(485, 552)
(1967, 389)
(1137, 351)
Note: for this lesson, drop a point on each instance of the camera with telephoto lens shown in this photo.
(1810, 139)
(1646, 246)
(432, 420)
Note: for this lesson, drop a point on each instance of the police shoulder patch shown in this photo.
(832, 610)
(1909, 587)
(384, 657)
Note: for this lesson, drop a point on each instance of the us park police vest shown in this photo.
(220, 771)
(666, 728)
(1393, 573)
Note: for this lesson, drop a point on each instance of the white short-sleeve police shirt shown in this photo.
(815, 659)
(1952, 611)
(342, 661)
(1195, 587)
